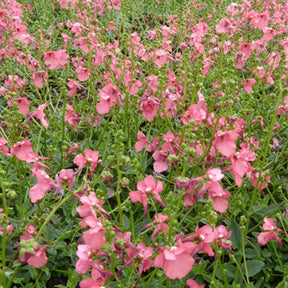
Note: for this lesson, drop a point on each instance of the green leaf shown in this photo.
(284, 283)
(266, 253)
(259, 283)
(51, 232)
(141, 225)
(236, 236)
(253, 267)
(266, 211)
(126, 222)
(251, 253)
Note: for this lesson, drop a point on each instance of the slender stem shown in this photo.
(266, 149)
(244, 256)
(3, 256)
(152, 275)
(4, 238)
(119, 173)
(62, 201)
(168, 282)
(120, 207)
(238, 266)
(13, 276)
(20, 167)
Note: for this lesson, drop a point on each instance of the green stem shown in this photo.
(220, 265)
(3, 256)
(266, 149)
(4, 238)
(244, 256)
(13, 276)
(152, 275)
(118, 190)
(65, 199)
(277, 255)
(20, 168)
(120, 207)
(238, 266)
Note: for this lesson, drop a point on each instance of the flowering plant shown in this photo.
(143, 143)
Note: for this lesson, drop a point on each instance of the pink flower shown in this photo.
(272, 229)
(225, 142)
(39, 258)
(82, 42)
(90, 283)
(83, 74)
(23, 104)
(161, 57)
(177, 262)
(222, 236)
(71, 149)
(215, 174)
(108, 98)
(247, 85)
(114, 4)
(134, 87)
(193, 284)
(3, 148)
(153, 82)
(74, 86)
(140, 257)
(84, 263)
(159, 224)
(3, 219)
(203, 237)
(224, 26)
(197, 112)
(218, 196)
(147, 187)
(190, 190)
(90, 159)
(39, 114)
(142, 141)
(71, 117)
(23, 151)
(215, 191)
(240, 164)
(76, 28)
(66, 176)
(161, 163)
(153, 146)
(269, 34)
(91, 206)
(95, 236)
(39, 77)
(14, 82)
(56, 59)
(31, 230)
(260, 20)
(45, 183)
(264, 180)
(283, 109)
(150, 106)
(246, 49)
